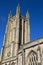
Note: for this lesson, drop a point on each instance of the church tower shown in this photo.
(17, 48)
(17, 34)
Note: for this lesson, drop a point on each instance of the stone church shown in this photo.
(17, 48)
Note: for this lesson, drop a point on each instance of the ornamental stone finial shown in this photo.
(10, 14)
(27, 15)
(18, 9)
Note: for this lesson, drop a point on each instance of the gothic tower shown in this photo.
(17, 33)
(17, 48)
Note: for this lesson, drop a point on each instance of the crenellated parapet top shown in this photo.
(18, 14)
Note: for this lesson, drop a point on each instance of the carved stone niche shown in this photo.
(38, 48)
(39, 55)
(12, 63)
(5, 64)
(9, 63)
(9, 53)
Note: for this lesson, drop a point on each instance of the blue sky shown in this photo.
(35, 9)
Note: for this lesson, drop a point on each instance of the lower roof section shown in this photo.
(31, 44)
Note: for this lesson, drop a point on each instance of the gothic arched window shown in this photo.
(32, 58)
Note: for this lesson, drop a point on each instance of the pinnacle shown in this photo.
(27, 14)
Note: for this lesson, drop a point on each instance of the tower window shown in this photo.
(20, 32)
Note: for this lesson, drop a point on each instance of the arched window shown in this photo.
(32, 58)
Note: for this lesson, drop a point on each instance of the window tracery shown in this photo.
(32, 58)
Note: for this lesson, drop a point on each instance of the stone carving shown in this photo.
(12, 63)
(8, 54)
